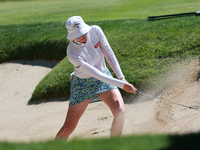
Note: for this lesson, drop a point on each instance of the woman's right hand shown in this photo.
(129, 88)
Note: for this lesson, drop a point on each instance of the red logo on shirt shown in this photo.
(97, 45)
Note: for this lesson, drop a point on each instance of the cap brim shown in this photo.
(78, 33)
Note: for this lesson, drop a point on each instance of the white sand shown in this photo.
(22, 122)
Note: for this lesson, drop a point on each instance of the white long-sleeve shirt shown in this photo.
(88, 59)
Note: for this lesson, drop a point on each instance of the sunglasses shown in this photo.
(81, 36)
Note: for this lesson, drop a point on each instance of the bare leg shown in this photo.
(73, 115)
(115, 102)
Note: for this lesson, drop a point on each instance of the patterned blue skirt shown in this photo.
(87, 88)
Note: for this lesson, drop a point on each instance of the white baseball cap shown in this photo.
(76, 27)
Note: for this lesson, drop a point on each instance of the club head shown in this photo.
(196, 107)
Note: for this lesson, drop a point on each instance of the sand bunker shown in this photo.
(22, 122)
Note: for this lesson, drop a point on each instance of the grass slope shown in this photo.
(32, 41)
(144, 50)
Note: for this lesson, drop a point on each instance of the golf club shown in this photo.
(197, 107)
(173, 15)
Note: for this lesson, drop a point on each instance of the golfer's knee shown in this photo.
(121, 109)
(120, 113)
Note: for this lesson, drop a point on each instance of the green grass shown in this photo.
(139, 142)
(136, 142)
(40, 11)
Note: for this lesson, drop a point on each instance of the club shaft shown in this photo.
(164, 100)
(181, 14)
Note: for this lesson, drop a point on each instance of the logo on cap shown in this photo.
(78, 66)
(76, 25)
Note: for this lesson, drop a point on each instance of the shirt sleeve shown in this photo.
(94, 72)
(109, 54)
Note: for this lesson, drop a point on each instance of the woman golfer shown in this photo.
(91, 78)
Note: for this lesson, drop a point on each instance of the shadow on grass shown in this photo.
(184, 142)
(42, 63)
(163, 17)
